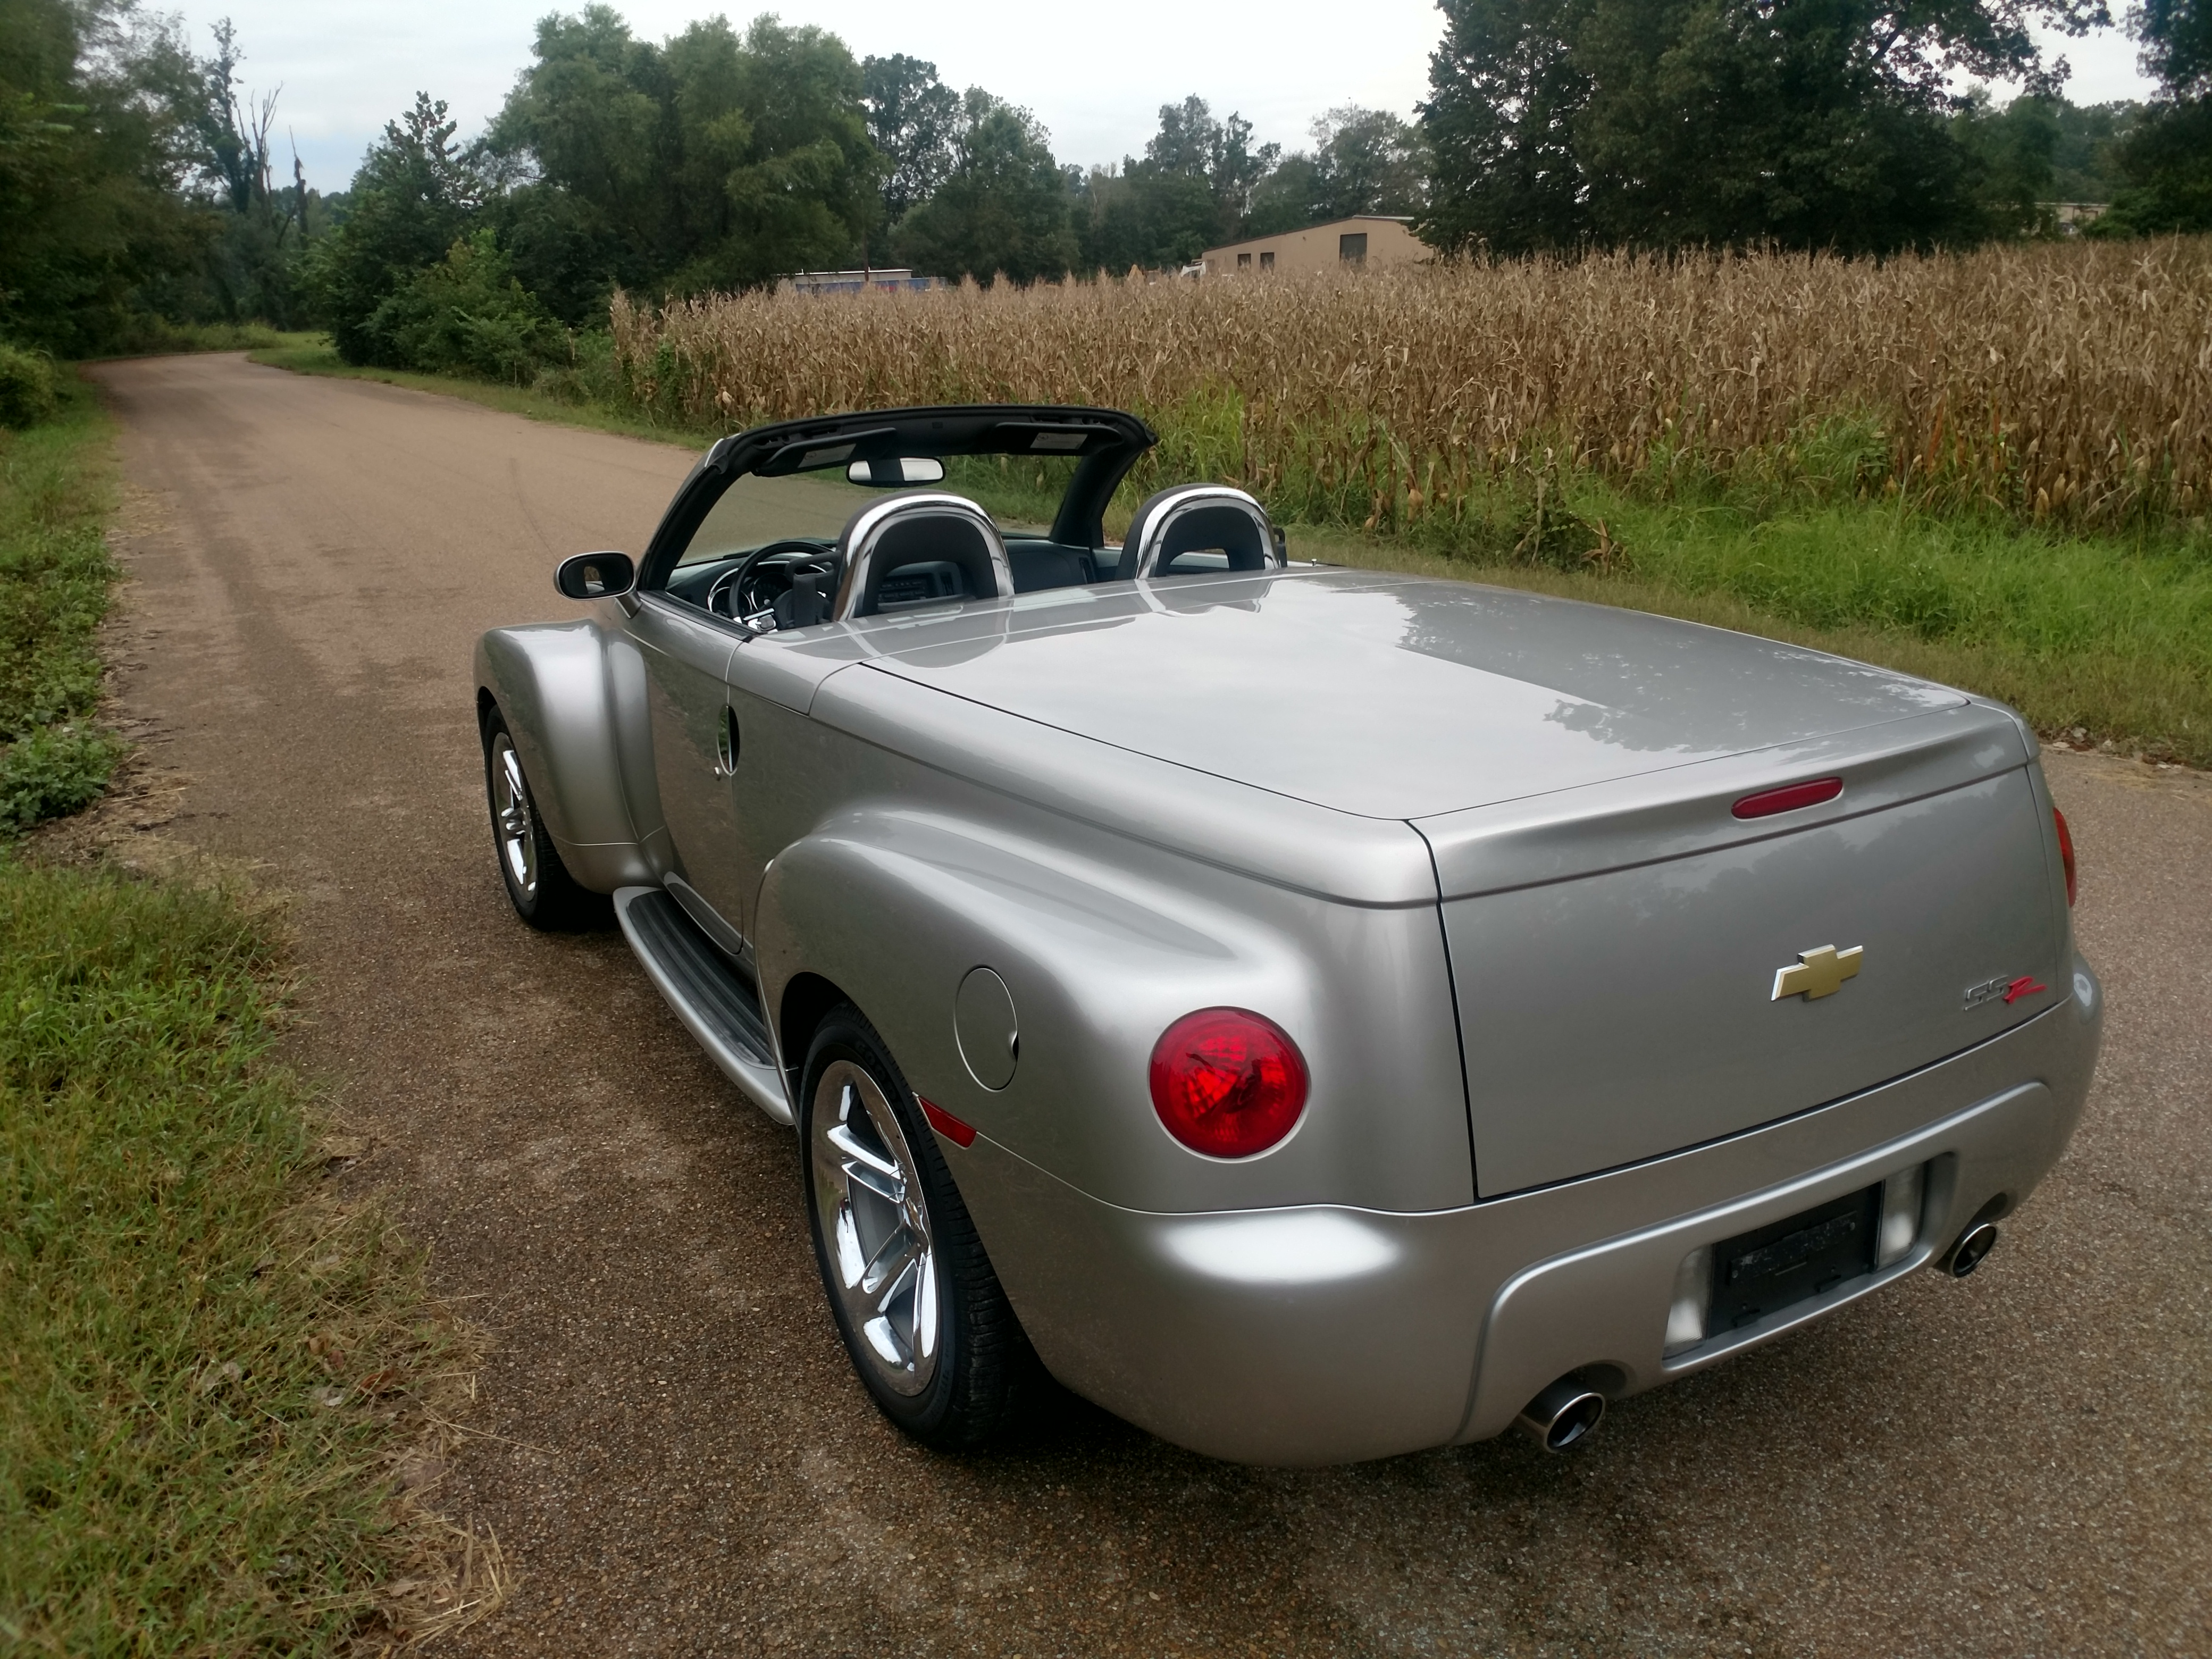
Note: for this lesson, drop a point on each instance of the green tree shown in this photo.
(1002, 210)
(913, 119)
(2177, 37)
(803, 193)
(1666, 123)
(2165, 162)
(2010, 161)
(1288, 198)
(2082, 165)
(1368, 160)
(95, 149)
(252, 271)
(1194, 188)
(1506, 91)
(706, 161)
(1363, 161)
(414, 197)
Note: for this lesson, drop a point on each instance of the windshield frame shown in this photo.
(1108, 442)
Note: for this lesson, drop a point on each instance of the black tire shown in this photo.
(538, 883)
(981, 1356)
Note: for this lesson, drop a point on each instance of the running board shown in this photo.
(716, 1005)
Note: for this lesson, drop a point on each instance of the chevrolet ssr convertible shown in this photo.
(1316, 1014)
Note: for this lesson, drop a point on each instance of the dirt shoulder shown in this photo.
(676, 1457)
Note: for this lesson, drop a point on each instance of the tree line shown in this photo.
(139, 183)
(1828, 124)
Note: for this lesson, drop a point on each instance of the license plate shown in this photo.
(1762, 1272)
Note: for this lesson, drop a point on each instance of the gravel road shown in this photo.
(2021, 1463)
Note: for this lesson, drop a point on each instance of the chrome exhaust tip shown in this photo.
(1977, 1241)
(1565, 1414)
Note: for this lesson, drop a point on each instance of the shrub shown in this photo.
(28, 390)
(468, 315)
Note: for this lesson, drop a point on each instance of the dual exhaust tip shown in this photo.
(1568, 1412)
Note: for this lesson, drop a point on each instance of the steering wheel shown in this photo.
(733, 594)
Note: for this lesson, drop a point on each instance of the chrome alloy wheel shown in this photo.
(868, 1204)
(510, 810)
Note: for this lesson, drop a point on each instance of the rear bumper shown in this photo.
(1321, 1335)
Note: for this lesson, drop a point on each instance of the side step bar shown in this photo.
(713, 1000)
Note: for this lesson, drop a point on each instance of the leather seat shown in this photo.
(1197, 518)
(939, 541)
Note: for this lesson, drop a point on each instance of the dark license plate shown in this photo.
(1757, 1273)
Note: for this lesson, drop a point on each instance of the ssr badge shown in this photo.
(2002, 989)
(1817, 973)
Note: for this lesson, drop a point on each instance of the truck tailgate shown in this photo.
(1626, 1011)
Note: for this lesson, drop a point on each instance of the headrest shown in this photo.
(926, 527)
(1197, 518)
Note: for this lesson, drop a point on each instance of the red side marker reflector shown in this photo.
(959, 1133)
(2024, 986)
(1788, 799)
(2065, 850)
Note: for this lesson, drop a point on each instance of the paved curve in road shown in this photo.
(2021, 1463)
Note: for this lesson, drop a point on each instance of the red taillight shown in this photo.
(2065, 850)
(1788, 799)
(1227, 1083)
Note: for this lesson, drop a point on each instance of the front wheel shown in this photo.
(538, 884)
(922, 1316)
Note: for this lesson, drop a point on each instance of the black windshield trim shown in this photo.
(1112, 441)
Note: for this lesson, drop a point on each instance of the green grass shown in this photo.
(57, 487)
(206, 1369)
(196, 1370)
(156, 337)
(2110, 633)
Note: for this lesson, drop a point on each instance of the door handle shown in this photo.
(726, 744)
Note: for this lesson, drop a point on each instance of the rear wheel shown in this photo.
(538, 884)
(920, 1309)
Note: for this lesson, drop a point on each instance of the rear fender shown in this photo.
(894, 904)
(574, 697)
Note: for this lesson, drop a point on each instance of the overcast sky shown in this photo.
(1095, 78)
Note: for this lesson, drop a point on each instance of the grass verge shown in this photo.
(2098, 637)
(219, 1387)
(205, 1373)
(56, 488)
(158, 337)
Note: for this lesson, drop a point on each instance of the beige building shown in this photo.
(1367, 239)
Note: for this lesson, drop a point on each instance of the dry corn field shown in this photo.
(2069, 381)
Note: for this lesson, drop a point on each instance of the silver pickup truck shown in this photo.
(1314, 1014)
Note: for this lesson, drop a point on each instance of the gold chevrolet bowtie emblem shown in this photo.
(1817, 973)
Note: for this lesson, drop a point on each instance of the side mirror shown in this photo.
(596, 575)
(897, 469)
